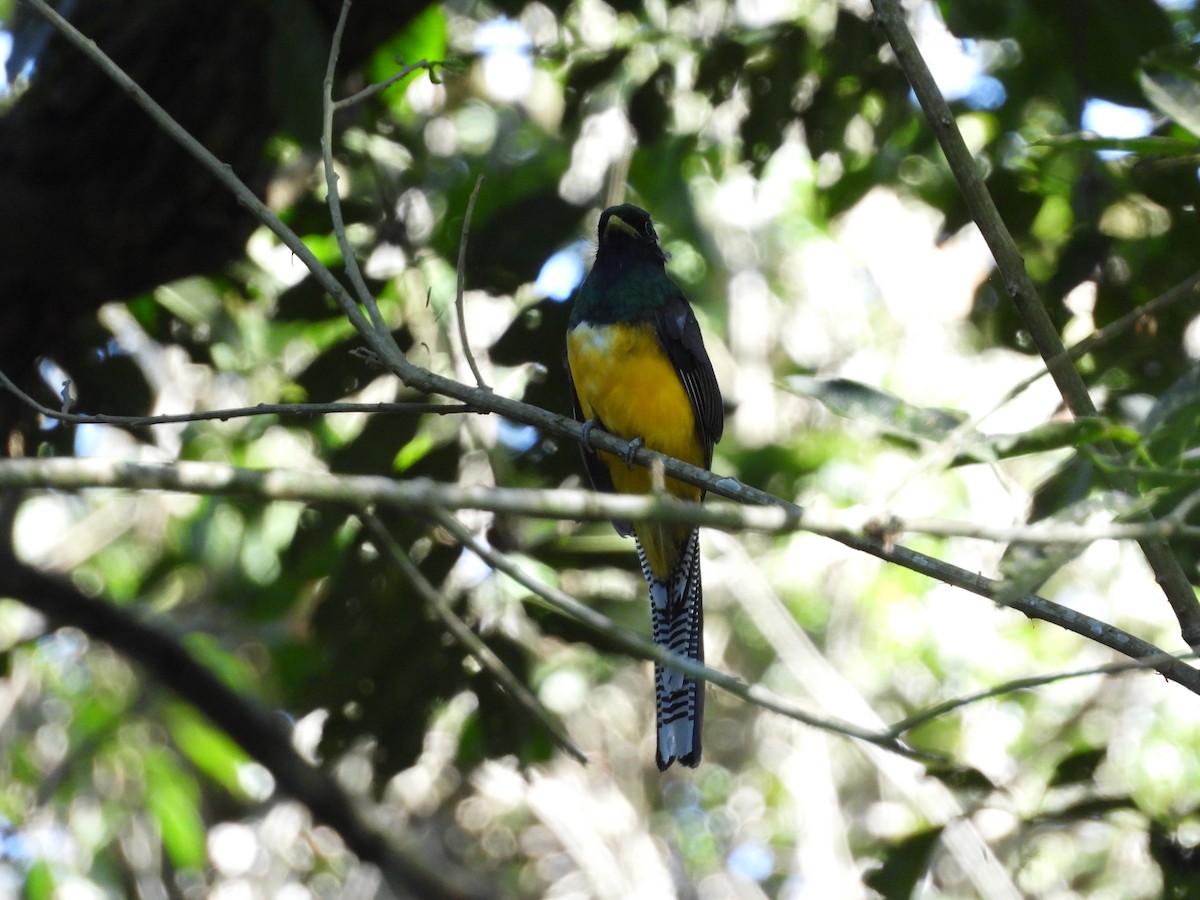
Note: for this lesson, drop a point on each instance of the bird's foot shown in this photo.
(587, 432)
(636, 444)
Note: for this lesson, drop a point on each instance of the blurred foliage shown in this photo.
(766, 135)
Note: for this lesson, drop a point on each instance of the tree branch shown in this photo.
(581, 505)
(1023, 293)
(435, 497)
(1019, 684)
(262, 732)
(307, 410)
(459, 303)
(428, 382)
(473, 643)
(640, 647)
(333, 200)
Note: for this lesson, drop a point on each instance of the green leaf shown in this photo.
(1078, 767)
(1174, 90)
(904, 864)
(173, 799)
(423, 39)
(1152, 145)
(1028, 566)
(210, 750)
(899, 418)
(1077, 433)
(888, 413)
(40, 883)
(961, 778)
(230, 668)
(1172, 426)
(1089, 809)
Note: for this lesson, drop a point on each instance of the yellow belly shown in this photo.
(623, 378)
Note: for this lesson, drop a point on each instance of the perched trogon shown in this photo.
(639, 370)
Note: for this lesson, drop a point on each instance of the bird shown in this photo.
(638, 369)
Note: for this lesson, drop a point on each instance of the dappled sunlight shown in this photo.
(873, 368)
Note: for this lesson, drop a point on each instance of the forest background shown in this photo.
(316, 649)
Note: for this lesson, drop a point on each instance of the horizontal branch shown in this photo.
(305, 410)
(1019, 684)
(425, 495)
(1049, 532)
(431, 496)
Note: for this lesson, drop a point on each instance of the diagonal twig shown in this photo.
(236, 412)
(365, 297)
(459, 302)
(917, 719)
(473, 644)
(641, 647)
(1024, 295)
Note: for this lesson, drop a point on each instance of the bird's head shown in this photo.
(626, 233)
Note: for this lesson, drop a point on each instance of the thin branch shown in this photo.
(432, 497)
(460, 304)
(306, 410)
(567, 504)
(948, 447)
(1184, 290)
(1021, 290)
(365, 297)
(576, 505)
(1019, 684)
(1047, 532)
(260, 731)
(373, 89)
(474, 645)
(638, 646)
(411, 494)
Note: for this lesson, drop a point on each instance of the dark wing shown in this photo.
(597, 470)
(679, 333)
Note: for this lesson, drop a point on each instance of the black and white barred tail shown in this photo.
(677, 618)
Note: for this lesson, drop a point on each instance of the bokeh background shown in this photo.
(819, 234)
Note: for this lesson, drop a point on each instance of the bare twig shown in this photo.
(365, 297)
(1019, 684)
(948, 447)
(307, 410)
(1021, 290)
(638, 646)
(371, 90)
(473, 644)
(459, 302)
